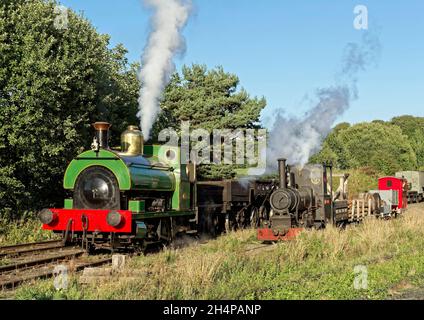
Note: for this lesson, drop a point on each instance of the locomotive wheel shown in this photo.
(168, 231)
(243, 219)
(240, 219)
(254, 218)
(263, 214)
(227, 224)
(215, 225)
(210, 223)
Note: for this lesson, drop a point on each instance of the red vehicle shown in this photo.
(397, 200)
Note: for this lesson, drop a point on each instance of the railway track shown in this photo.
(27, 248)
(30, 261)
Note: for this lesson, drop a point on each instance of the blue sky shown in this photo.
(285, 50)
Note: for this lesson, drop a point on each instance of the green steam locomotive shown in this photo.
(137, 195)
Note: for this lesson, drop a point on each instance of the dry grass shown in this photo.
(317, 265)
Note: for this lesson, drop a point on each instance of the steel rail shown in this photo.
(22, 246)
(40, 261)
(21, 250)
(12, 281)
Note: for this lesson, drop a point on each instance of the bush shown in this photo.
(27, 229)
(53, 84)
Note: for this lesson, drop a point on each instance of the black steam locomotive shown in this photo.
(304, 199)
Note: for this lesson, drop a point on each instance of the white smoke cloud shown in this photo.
(165, 40)
(298, 138)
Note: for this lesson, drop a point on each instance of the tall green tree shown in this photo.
(413, 127)
(381, 146)
(54, 82)
(333, 150)
(208, 99)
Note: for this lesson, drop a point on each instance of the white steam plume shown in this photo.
(299, 138)
(165, 40)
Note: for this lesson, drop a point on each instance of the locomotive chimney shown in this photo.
(282, 173)
(102, 134)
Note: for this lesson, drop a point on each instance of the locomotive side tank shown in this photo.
(131, 173)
